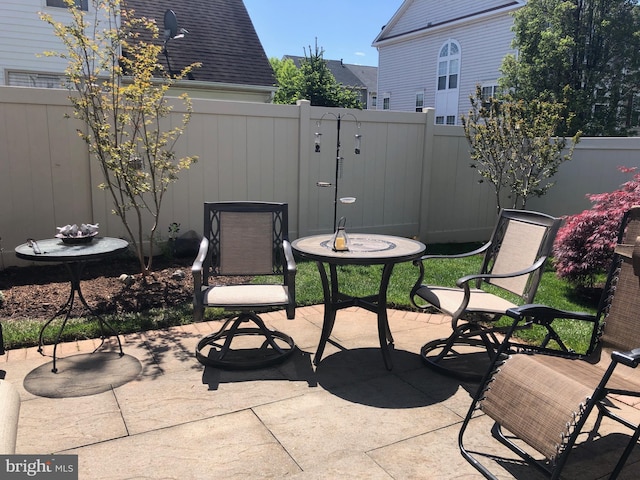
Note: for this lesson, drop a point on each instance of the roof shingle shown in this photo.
(221, 37)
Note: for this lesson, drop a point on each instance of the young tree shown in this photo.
(313, 81)
(583, 54)
(119, 91)
(512, 145)
(288, 79)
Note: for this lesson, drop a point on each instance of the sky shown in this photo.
(344, 29)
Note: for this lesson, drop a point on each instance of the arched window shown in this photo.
(449, 65)
(447, 90)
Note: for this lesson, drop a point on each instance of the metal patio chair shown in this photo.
(242, 241)
(545, 399)
(514, 260)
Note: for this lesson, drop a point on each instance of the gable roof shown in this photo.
(367, 75)
(473, 11)
(352, 76)
(221, 37)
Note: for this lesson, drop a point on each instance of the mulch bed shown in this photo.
(39, 291)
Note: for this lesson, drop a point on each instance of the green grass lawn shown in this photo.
(360, 281)
(354, 280)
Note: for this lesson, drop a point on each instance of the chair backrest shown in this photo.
(620, 305)
(519, 240)
(245, 238)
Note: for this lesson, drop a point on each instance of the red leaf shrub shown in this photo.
(584, 245)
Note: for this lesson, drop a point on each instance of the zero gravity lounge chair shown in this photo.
(513, 263)
(244, 240)
(544, 399)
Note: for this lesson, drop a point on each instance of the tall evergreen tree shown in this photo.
(582, 53)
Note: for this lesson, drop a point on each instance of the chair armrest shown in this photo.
(543, 314)
(630, 358)
(419, 263)
(477, 251)
(290, 278)
(487, 276)
(291, 266)
(9, 414)
(196, 268)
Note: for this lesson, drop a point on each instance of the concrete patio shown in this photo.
(158, 413)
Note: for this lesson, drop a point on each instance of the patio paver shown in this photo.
(347, 418)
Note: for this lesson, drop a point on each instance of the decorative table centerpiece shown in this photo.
(74, 234)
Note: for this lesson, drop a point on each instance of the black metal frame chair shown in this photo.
(514, 260)
(243, 240)
(545, 399)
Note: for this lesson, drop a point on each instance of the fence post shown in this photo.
(427, 165)
(304, 132)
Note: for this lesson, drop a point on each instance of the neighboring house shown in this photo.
(434, 53)
(221, 37)
(360, 78)
(24, 37)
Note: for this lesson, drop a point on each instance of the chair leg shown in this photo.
(466, 454)
(462, 335)
(625, 455)
(603, 411)
(215, 349)
(497, 433)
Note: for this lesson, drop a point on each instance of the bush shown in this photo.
(584, 245)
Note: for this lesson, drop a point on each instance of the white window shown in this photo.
(39, 80)
(489, 92)
(419, 100)
(81, 4)
(386, 101)
(374, 101)
(448, 83)
(449, 66)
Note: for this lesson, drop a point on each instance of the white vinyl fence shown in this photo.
(412, 178)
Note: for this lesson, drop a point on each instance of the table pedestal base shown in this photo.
(334, 300)
(75, 271)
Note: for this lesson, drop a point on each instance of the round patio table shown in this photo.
(74, 257)
(364, 249)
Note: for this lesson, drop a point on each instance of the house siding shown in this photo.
(234, 65)
(410, 65)
(23, 37)
(419, 14)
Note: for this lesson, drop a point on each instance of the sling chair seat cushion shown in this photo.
(449, 300)
(230, 296)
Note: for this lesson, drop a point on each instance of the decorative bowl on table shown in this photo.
(73, 235)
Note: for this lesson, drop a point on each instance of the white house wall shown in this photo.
(24, 37)
(408, 63)
(419, 13)
(482, 55)
(406, 68)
